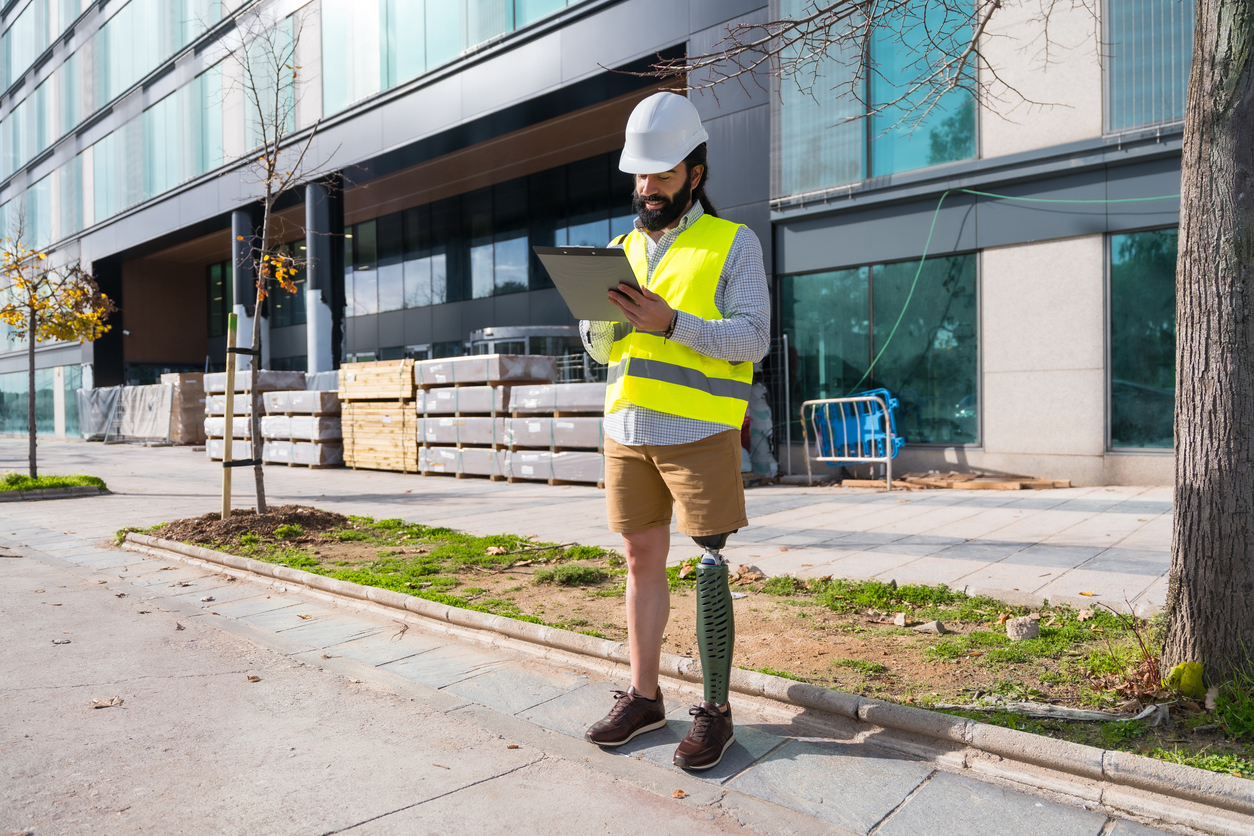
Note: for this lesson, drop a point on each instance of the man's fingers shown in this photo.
(634, 295)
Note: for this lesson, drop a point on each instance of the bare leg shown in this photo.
(648, 604)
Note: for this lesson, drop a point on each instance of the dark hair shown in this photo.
(694, 158)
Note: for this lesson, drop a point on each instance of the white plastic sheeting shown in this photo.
(302, 402)
(301, 427)
(480, 461)
(569, 467)
(761, 433)
(267, 381)
(561, 397)
(464, 399)
(543, 431)
(309, 453)
(485, 368)
(462, 430)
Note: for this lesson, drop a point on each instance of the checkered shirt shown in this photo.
(742, 336)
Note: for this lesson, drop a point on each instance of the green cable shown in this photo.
(936, 214)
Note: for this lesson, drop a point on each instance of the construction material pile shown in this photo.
(302, 428)
(218, 423)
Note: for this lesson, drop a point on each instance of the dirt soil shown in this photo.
(862, 652)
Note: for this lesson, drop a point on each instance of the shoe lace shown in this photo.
(622, 704)
(703, 722)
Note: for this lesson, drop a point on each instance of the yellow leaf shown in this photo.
(1088, 594)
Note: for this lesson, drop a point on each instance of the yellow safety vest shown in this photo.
(667, 376)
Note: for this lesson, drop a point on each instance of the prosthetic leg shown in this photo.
(716, 627)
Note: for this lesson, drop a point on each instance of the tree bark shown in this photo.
(1210, 599)
(254, 419)
(30, 389)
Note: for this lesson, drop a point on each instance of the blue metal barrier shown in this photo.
(853, 430)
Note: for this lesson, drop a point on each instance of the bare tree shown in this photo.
(267, 72)
(1210, 605)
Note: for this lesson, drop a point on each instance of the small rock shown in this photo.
(931, 627)
(1018, 629)
(900, 619)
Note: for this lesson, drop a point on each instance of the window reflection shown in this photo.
(1142, 338)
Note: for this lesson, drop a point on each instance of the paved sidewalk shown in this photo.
(356, 726)
(1021, 546)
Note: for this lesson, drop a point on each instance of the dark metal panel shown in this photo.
(532, 66)
(288, 341)
(621, 33)
(739, 155)
(391, 329)
(363, 333)
(418, 328)
(446, 322)
(884, 233)
(510, 310)
(545, 307)
(1002, 222)
(423, 112)
(476, 314)
(729, 96)
(1149, 179)
(756, 216)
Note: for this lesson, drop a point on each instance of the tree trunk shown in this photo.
(30, 389)
(1210, 599)
(254, 419)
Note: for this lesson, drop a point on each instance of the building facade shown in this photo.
(1008, 272)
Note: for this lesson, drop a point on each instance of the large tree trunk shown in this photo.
(1210, 601)
(30, 390)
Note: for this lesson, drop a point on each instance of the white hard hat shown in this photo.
(662, 131)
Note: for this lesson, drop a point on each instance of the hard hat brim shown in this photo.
(635, 163)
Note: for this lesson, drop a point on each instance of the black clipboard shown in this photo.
(583, 275)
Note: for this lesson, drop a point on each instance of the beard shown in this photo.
(672, 208)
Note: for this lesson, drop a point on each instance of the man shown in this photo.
(679, 377)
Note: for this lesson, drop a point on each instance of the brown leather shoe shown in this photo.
(707, 740)
(630, 716)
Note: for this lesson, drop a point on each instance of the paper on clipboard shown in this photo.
(582, 276)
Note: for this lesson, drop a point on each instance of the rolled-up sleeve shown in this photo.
(743, 335)
(598, 338)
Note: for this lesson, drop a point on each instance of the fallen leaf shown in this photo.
(39, 590)
(304, 617)
(358, 682)
(109, 703)
(207, 598)
(686, 570)
(1001, 619)
(524, 563)
(101, 581)
(60, 641)
(1088, 594)
(252, 678)
(441, 766)
(783, 548)
(55, 605)
(1211, 696)
(976, 653)
(679, 794)
(145, 612)
(178, 626)
(327, 656)
(497, 550)
(512, 746)
(1084, 615)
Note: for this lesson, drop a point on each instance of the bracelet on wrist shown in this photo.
(670, 330)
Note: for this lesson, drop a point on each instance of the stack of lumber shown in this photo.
(462, 409)
(378, 419)
(302, 428)
(555, 434)
(217, 422)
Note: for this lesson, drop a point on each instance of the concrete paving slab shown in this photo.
(957, 805)
(253, 604)
(1110, 587)
(335, 629)
(839, 783)
(1052, 556)
(573, 712)
(221, 595)
(1128, 828)
(380, 649)
(286, 618)
(515, 688)
(443, 666)
(1130, 562)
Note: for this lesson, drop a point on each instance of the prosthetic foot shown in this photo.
(716, 628)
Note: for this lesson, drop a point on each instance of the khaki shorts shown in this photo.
(643, 484)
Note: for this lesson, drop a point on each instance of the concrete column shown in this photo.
(243, 239)
(324, 251)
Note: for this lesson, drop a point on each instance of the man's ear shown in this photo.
(695, 175)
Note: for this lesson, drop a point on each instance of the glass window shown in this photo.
(445, 37)
(277, 98)
(820, 142)
(838, 321)
(219, 289)
(207, 92)
(417, 258)
(485, 19)
(1147, 68)
(391, 271)
(510, 251)
(1142, 338)
(70, 202)
(405, 27)
(286, 308)
(69, 99)
(24, 41)
(529, 11)
(447, 256)
(351, 68)
(477, 214)
(39, 214)
(365, 264)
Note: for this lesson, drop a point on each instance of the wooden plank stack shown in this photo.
(378, 417)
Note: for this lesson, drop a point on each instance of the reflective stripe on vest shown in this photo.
(655, 373)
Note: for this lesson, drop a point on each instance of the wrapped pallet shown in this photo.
(463, 430)
(187, 407)
(485, 368)
(543, 465)
(241, 404)
(301, 427)
(380, 435)
(467, 461)
(391, 380)
(267, 381)
(306, 453)
(240, 450)
(464, 399)
(241, 426)
(302, 403)
(559, 397)
(545, 431)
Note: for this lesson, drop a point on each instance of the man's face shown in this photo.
(660, 199)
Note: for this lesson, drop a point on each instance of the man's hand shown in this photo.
(643, 308)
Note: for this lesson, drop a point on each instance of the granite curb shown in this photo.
(51, 493)
(1131, 783)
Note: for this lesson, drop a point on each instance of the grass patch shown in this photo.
(861, 666)
(780, 674)
(21, 482)
(1232, 764)
(569, 574)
